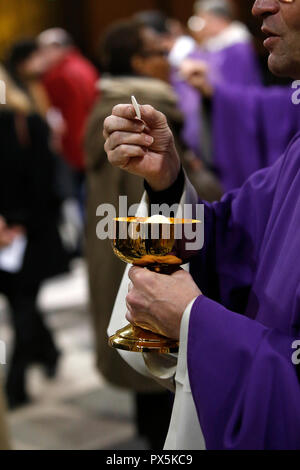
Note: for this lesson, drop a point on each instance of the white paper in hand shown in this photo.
(12, 256)
(136, 107)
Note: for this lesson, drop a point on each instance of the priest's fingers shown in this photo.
(129, 314)
(138, 301)
(114, 123)
(130, 286)
(129, 317)
(129, 309)
(134, 312)
(141, 322)
(150, 116)
(124, 110)
(119, 138)
(136, 309)
(141, 277)
(121, 156)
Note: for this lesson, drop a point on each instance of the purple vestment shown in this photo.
(242, 377)
(235, 65)
(251, 128)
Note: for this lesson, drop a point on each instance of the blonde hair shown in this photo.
(14, 98)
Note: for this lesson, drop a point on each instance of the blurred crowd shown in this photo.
(213, 86)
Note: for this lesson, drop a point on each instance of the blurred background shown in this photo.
(65, 64)
(84, 20)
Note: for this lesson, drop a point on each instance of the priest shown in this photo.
(241, 104)
(237, 313)
(226, 52)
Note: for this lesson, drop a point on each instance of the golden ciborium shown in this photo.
(159, 244)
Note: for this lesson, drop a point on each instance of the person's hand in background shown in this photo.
(196, 72)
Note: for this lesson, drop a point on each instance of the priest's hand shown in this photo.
(195, 72)
(142, 147)
(157, 301)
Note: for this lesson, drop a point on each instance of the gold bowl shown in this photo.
(152, 245)
(160, 247)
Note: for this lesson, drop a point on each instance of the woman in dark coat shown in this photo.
(30, 205)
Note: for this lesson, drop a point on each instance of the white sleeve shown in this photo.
(184, 431)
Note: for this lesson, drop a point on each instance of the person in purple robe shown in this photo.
(242, 121)
(234, 65)
(239, 119)
(226, 50)
(237, 313)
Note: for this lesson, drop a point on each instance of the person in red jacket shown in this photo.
(70, 81)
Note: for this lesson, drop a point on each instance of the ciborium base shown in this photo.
(135, 339)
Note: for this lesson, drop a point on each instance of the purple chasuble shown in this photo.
(251, 128)
(242, 377)
(235, 65)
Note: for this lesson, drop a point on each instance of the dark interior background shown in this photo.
(86, 19)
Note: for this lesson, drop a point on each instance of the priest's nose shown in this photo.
(266, 7)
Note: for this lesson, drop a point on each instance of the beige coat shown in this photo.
(4, 440)
(105, 184)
